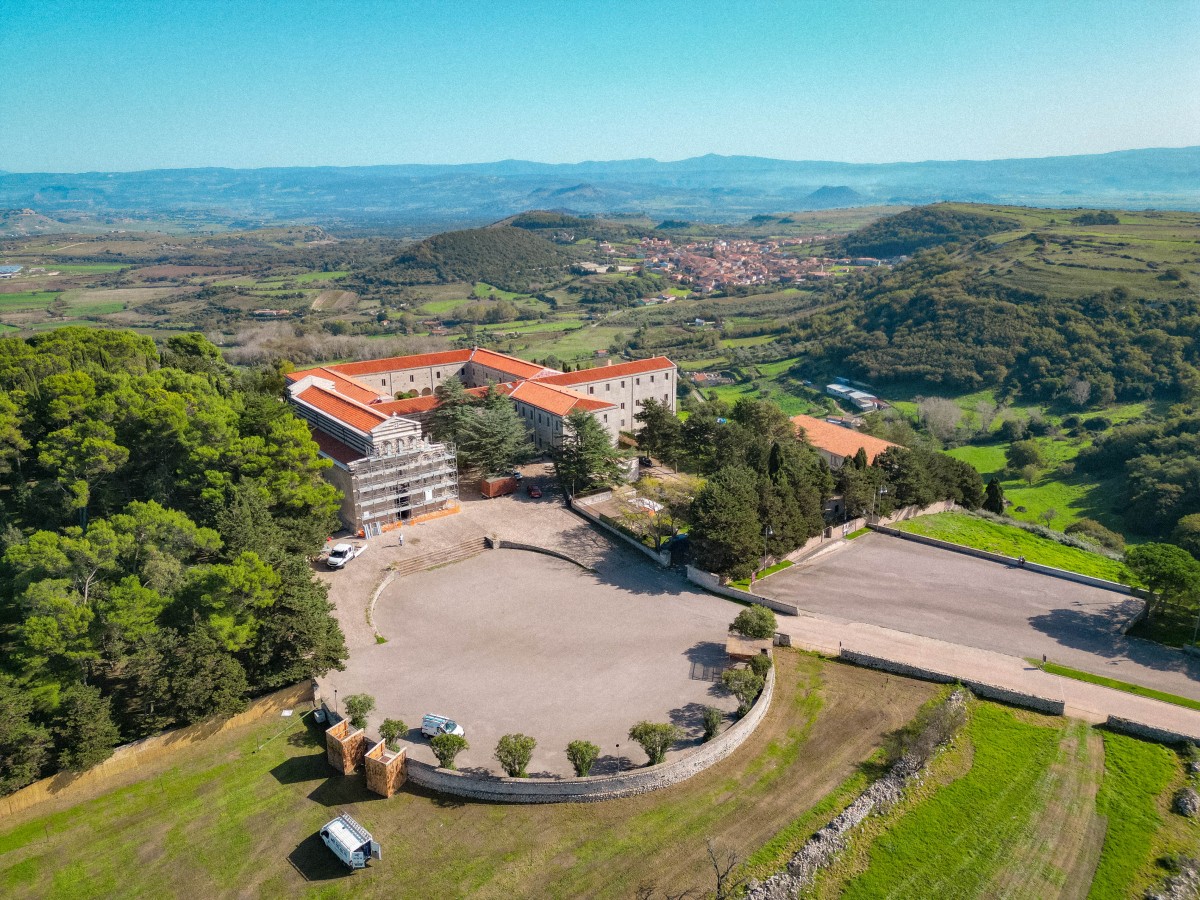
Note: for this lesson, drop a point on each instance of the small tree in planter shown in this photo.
(760, 665)
(358, 707)
(582, 755)
(756, 622)
(390, 731)
(446, 747)
(513, 752)
(744, 685)
(712, 722)
(655, 738)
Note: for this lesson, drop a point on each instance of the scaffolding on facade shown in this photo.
(392, 489)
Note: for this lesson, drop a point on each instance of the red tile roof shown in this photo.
(510, 365)
(408, 406)
(603, 373)
(335, 449)
(344, 384)
(837, 440)
(396, 363)
(555, 400)
(356, 415)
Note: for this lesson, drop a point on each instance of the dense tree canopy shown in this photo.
(156, 516)
(943, 322)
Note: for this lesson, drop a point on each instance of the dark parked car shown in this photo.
(533, 491)
(645, 461)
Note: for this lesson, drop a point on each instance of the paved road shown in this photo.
(907, 587)
(1083, 701)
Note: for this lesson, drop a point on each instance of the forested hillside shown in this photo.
(940, 321)
(157, 512)
(920, 229)
(510, 258)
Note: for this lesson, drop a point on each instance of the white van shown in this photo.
(350, 842)
(433, 725)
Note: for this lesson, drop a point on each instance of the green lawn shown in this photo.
(1079, 675)
(84, 268)
(1135, 773)
(954, 843)
(225, 818)
(996, 537)
(317, 276)
(744, 584)
(27, 300)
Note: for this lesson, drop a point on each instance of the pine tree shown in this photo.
(587, 458)
(447, 419)
(994, 501)
(84, 728)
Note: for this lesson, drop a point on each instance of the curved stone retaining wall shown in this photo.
(1051, 706)
(600, 787)
(501, 544)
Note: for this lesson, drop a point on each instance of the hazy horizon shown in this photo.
(584, 162)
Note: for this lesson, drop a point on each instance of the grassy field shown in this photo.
(1135, 776)
(1079, 675)
(1014, 824)
(223, 818)
(996, 537)
(27, 300)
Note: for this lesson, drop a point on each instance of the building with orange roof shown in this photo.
(369, 418)
(837, 443)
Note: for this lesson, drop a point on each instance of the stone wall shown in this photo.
(384, 769)
(1048, 705)
(1148, 732)
(1005, 560)
(580, 507)
(501, 544)
(711, 582)
(602, 787)
(144, 752)
(344, 746)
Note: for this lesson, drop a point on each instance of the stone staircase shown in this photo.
(454, 553)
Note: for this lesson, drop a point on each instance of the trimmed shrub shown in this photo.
(513, 752)
(358, 707)
(655, 738)
(760, 665)
(446, 748)
(713, 718)
(744, 685)
(582, 755)
(755, 622)
(390, 730)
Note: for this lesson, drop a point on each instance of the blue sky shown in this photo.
(94, 85)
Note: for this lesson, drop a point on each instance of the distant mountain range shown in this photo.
(712, 188)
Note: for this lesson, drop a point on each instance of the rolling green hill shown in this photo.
(510, 258)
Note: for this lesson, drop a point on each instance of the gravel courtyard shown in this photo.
(513, 641)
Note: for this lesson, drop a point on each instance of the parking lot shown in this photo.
(513, 641)
(937, 593)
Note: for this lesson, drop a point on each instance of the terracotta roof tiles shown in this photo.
(603, 373)
(837, 440)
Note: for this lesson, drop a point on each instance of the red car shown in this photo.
(533, 491)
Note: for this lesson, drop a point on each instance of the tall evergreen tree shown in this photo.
(727, 535)
(587, 458)
(993, 502)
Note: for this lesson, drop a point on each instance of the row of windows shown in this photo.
(636, 381)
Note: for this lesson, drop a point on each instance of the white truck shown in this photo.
(433, 725)
(343, 553)
(350, 842)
